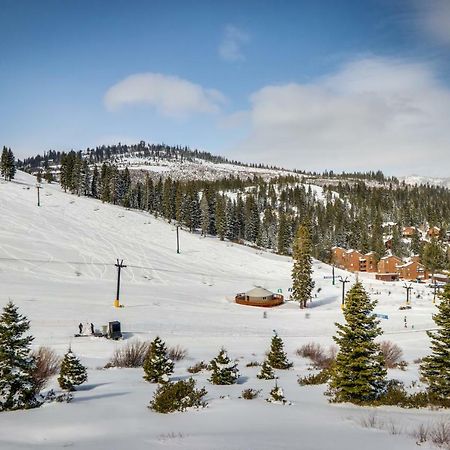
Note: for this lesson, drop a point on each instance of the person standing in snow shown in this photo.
(92, 328)
(80, 328)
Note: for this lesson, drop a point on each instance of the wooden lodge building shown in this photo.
(389, 268)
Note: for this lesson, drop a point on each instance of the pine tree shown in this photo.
(302, 282)
(157, 365)
(435, 368)
(266, 372)
(48, 175)
(72, 372)
(11, 165)
(433, 257)
(359, 374)
(224, 371)
(4, 163)
(17, 387)
(276, 395)
(276, 357)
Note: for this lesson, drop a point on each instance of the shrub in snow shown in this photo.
(177, 353)
(318, 355)
(435, 368)
(72, 372)
(47, 365)
(266, 372)
(179, 396)
(321, 377)
(276, 357)
(392, 354)
(224, 371)
(250, 394)
(157, 365)
(276, 395)
(17, 386)
(132, 354)
(50, 397)
(359, 375)
(197, 367)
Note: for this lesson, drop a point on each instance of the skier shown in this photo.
(92, 328)
(80, 327)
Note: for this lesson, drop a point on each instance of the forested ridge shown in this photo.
(348, 210)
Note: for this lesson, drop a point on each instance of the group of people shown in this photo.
(82, 328)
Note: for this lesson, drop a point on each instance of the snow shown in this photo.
(57, 265)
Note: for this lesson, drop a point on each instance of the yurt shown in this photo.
(259, 296)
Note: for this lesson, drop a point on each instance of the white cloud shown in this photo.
(434, 18)
(372, 113)
(169, 95)
(230, 49)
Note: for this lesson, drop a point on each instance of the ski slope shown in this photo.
(57, 265)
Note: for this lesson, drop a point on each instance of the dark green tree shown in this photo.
(72, 372)
(157, 365)
(266, 372)
(359, 375)
(302, 282)
(224, 371)
(435, 368)
(17, 386)
(276, 357)
(433, 257)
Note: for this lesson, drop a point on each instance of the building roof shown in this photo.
(258, 291)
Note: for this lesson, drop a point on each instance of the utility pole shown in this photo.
(408, 289)
(178, 239)
(343, 289)
(332, 271)
(38, 187)
(119, 266)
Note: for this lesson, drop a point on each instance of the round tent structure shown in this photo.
(259, 296)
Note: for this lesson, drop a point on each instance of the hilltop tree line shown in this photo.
(113, 153)
(268, 213)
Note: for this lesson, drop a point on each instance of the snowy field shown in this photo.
(57, 265)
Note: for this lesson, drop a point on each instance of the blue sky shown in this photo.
(349, 85)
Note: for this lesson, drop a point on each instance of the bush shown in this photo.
(197, 367)
(179, 396)
(392, 354)
(177, 353)
(253, 364)
(321, 358)
(321, 377)
(250, 394)
(47, 365)
(132, 354)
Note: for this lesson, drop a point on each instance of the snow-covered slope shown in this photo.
(57, 264)
(418, 179)
(197, 168)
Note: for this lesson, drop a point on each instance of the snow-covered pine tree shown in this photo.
(276, 357)
(276, 395)
(157, 365)
(72, 372)
(17, 387)
(359, 375)
(302, 282)
(435, 368)
(224, 371)
(266, 372)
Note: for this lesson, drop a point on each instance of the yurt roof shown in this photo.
(259, 292)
